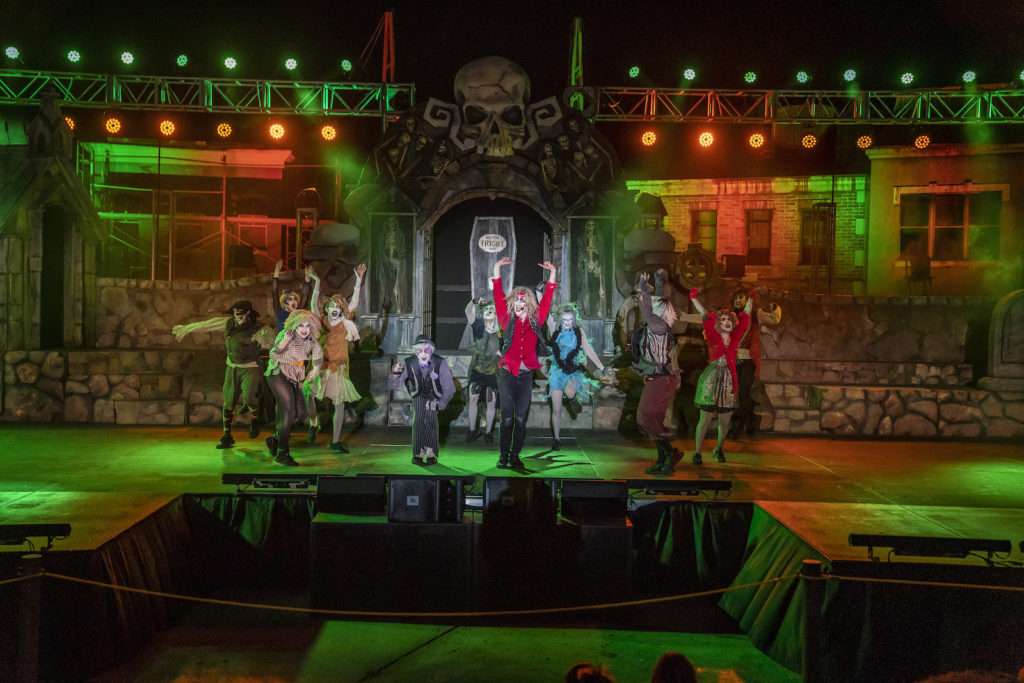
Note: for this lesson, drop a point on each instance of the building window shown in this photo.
(759, 237)
(951, 226)
(704, 229)
(816, 228)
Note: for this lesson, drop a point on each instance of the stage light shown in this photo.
(802, 76)
(290, 64)
(929, 546)
(224, 129)
(922, 141)
(969, 76)
(182, 60)
(70, 121)
(127, 57)
(865, 141)
(16, 534)
(689, 74)
(681, 487)
(167, 127)
(270, 481)
(756, 141)
(907, 78)
(276, 131)
(12, 52)
(706, 139)
(750, 77)
(809, 141)
(74, 56)
(112, 124)
(634, 71)
(230, 62)
(648, 138)
(328, 132)
(346, 66)
(849, 75)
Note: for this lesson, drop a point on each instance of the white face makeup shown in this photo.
(304, 330)
(489, 313)
(423, 353)
(519, 305)
(725, 324)
(567, 321)
(333, 310)
(739, 301)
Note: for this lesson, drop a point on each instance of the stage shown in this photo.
(147, 509)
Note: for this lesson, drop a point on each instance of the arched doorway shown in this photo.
(52, 281)
(456, 234)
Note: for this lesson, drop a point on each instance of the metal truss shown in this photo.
(940, 106)
(220, 95)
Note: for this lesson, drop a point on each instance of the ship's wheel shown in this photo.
(694, 267)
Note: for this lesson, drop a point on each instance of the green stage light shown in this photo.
(290, 64)
(802, 76)
(346, 66)
(11, 52)
(907, 78)
(230, 62)
(127, 57)
(74, 56)
(634, 71)
(849, 75)
(182, 60)
(969, 76)
(750, 77)
(689, 74)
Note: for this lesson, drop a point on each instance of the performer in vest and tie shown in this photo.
(520, 317)
(428, 379)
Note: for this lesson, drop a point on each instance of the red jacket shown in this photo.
(716, 348)
(523, 346)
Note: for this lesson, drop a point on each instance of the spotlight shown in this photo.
(12, 52)
(230, 62)
(865, 141)
(907, 78)
(929, 546)
(346, 66)
(112, 124)
(290, 64)
(648, 138)
(328, 132)
(969, 76)
(127, 57)
(706, 139)
(224, 130)
(750, 77)
(167, 128)
(182, 60)
(74, 56)
(634, 71)
(756, 141)
(70, 121)
(809, 141)
(849, 75)
(802, 76)
(689, 74)
(922, 141)
(276, 131)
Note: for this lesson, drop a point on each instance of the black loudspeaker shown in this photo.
(594, 498)
(735, 265)
(519, 501)
(350, 495)
(424, 499)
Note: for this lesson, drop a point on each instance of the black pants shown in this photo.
(291, 407)
(514, 397)
(745, 402)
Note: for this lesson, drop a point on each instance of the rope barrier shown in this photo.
(360, 613)
(19, 578)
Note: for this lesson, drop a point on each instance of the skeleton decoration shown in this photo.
(392, 269)
(492, 93)
(592, 285)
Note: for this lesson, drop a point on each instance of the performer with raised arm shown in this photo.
(716, 388)
(428, 379)
(243, 339)
(748, 361)
(520, 317)
(288, 299)
(295, 345)
(570, 350)
(333, 382)
(483, 368)
(652, 344)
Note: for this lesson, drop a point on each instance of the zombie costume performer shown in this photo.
(243, 339)
(333, 382)
(716, 388)
(483, 368)
(295, 345)
(570, 349)
(288, 299)
(429, 382)
(652, 346)
(748, 362)
(522, 347)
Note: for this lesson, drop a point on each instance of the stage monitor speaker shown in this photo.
(425, 499)
(351, 495)
(519, 501)
(594, 498)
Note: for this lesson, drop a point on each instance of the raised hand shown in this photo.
(548, 265)
(396, 369)
(641, 282)
(361, 270)
(278, 266)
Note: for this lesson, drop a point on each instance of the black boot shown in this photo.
(254, 428)
(272, 446)
(662, 458)
(670, 457)
(311, 434)
(226, 441)
(283, 457)
(503, 461)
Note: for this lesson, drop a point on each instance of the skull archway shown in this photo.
(492, 93)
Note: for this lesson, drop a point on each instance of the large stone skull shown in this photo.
(492, 93)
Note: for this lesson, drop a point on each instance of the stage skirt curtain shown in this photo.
(688, 545)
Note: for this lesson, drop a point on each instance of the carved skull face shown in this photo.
(492, 92)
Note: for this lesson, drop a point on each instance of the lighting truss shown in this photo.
(221, 95)
(939, 106)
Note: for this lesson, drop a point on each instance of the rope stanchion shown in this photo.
(446, 615)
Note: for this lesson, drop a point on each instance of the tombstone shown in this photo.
(1006, 345)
